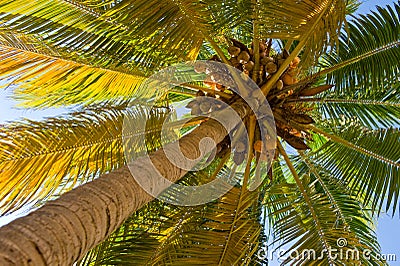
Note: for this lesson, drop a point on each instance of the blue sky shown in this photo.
(388, 228)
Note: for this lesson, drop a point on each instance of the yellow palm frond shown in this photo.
(43, 77)
(38, 159)
(117, 32)
(224, 232)
(316, 22)
(172, 26)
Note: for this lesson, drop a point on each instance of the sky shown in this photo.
(388, 228)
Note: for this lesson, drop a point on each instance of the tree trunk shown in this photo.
(63, 230)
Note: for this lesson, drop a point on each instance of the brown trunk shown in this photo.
(63, 230)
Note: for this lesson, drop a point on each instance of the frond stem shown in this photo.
(303, 192)
(352, 146)
(288, 45)
(197, 87)
(322, 183)
(217, 49)
(356, 59)
(256, 41)
(252, 123)
(345, 101)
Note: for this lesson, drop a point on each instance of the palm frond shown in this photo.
(71, 25)
(94, 6)
(224, 232)
(43, 77)
(372, 114)
(367, 161)
(125, 34)
(39, 159)
(314, 22)
(229, 16)
(173, 28)
(366, 55)
(339, 216)
(378, 110)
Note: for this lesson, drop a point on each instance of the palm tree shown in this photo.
(332, 85)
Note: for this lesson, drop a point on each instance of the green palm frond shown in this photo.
(67, 24)
(339, 216)
(229, 16)
(98, 6)
(96, 42)
(370, 167)
(372, 114)
(367, 53)
(97, 54)
(280, 176)
(230, 229)
(39, 159)
(378, 110)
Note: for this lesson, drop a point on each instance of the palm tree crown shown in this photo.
(331, 80)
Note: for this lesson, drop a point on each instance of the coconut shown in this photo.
(192, 103)
(240, 146)
(234, 51)
(266, 60)
(249, 65)
(243, 57)
(234, 61)
(195, 110)
(293, 72)
(200, 93)
(271, 68)
(205, 106)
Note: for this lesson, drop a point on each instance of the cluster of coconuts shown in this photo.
(243, 58)
(261, 149)
(209, 101)
(204, 105)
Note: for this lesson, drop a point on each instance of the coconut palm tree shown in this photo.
(331, 81)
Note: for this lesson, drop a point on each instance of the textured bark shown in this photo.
(63, 230)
